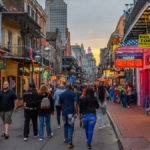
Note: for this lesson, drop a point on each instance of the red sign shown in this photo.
(147, 60)
(129, 63)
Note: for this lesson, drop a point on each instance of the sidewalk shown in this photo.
(133, 125)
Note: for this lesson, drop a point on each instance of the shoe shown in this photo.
(70, 146)
(40, 139)
(25, 139)
(104, 126)
(128, 106)
(58, 127)
(108, 125)
(36, 136)
(3, 135)
(66, 142)
(89, 146)
(6, 136)
(50, 136)
(100, 128)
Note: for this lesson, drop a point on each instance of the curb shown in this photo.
(116, 130)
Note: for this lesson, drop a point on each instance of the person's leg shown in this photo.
(91, 125)
(100, 118)
(70, 132)
(58, 109)
(35, 122)
(65, 128)
(114, 98)
(110, 96)
(26, 123)
(85, 124)
(48, 124)
(41, 126)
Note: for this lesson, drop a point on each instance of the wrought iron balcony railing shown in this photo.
(133, 14)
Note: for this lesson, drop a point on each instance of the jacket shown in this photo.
(88, 105)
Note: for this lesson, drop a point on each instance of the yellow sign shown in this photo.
(109, 72)
(144, 41)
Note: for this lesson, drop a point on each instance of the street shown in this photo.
(104, 139)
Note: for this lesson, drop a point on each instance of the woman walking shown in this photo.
(45, 111)
(88, 108)
(103, 122)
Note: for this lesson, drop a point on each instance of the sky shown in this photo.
(91, 22)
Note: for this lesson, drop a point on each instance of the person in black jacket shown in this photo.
(46, 108)
(31, 105)
(88, 106)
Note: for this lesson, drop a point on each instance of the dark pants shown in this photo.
(129, 97)
(30, 114)
(58, 110)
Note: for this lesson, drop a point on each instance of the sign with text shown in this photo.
(2, 63)
(144, 41)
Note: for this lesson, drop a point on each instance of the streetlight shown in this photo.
(43, 54)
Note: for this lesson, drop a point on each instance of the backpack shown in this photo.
(45, 103)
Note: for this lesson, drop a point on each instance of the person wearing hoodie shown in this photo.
(46, 108)
(57, 94)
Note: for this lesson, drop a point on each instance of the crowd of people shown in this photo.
(123, 94)
(86, 102)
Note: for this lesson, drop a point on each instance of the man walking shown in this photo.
(68, 101)
(8, 104)
(57, 94)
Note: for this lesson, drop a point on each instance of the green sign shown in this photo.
(2, 63)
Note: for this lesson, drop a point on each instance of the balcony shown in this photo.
(138, 20)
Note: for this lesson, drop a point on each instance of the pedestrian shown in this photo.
(8, 104)
(31, 105)
(57, 94)
(88, 108)
(46, 108)
(111, 93)
(102, 115)
(129, 95)
(68, 101)
(116, 92)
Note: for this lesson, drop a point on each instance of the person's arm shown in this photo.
(52, 103)
(75, 105)
(15, 102)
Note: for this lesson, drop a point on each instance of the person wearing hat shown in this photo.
(57, 94)
(31, 105)
(8, 104)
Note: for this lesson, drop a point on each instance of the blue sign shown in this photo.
(71, 79)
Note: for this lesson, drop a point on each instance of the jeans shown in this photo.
(89, 121)
(114, 98)
(129, 98)
(46, 118)
(58, 110)
(30, 114)
(111, 95)
(68, 129)
(102, 117)
(124, 100)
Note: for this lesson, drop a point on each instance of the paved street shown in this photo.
(103, 140)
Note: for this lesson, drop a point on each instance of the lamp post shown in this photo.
(42, 55)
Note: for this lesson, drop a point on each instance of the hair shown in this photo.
(90, 92)
(101, 93)
(84, 92)
(32, 86)
(43, 89)
(69, 87)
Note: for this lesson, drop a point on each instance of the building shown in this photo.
(21, 34)
(56, 11)
(54, 39)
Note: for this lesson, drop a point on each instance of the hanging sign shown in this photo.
(144, 41)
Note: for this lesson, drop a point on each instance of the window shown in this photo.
(19, 46)
(25, 6)
(41, 24)
(9, 40)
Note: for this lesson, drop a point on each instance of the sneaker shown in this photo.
(3, 135)
(40, 139)
(50, 136)
(89, 147)
(58, 127)
(70, 146)
(104, 126)
(25, 139)
(100, 128)
(66, 142)
(36, 136)
(6, 136)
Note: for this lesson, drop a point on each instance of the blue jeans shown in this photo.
(124, 100)
(111, 95)
(42, 119)
(89, 121)
(114, 98)
(68, 129)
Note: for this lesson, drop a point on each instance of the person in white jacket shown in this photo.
(102, 112)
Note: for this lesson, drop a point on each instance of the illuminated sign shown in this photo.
(144, 41)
